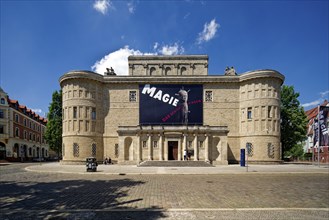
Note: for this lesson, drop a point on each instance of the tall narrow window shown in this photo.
(75, 150)
(16, 117)
(269, 112)
(208, 96)
(93, 150)
(270, 150)
(250, 149)
(2, 129)
(17, 132)
(1, 113)
(249, 113)
(132, 96)
(74, 112)
(93, 113)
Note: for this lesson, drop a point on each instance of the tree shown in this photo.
(53, 134)
(293, 121)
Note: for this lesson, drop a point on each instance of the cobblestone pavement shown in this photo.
(33, 195)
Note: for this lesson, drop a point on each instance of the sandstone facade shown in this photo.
(101, 114)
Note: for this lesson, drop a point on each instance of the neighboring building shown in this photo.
(309, 145)
(167, 104)
(21, 132)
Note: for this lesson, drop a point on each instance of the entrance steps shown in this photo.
(174, 163)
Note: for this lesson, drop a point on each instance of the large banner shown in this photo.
(170, 104)
(322, 124)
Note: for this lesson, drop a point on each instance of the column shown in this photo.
(206, 142)
(139, 148)
(121, 149)
(195, 147)
(160, 147)
(184, 144)
(149, 144)
(180, 149)
(165, 150)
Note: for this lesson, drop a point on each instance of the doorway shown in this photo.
(172, 150)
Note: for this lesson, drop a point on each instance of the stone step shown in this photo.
(174, 163)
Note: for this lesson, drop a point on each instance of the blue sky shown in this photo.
(42, 40)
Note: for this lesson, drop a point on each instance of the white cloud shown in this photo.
(131, 7)
(102, 6)
(39, 112)
(171, 49)
(118, 60)
(323, 95)
(209, 31)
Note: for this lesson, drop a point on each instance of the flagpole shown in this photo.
(313, 141)
(319, 135)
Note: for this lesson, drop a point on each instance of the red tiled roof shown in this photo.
(311, 115)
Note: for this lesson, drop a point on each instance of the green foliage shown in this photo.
(296, 151)
(53, 134)
(293, 121)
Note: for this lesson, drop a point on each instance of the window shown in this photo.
(16, 117)
(132, 96)
(75, 150)
(270, 150)
(269, 112)
(249, 113)
(93, 113)
(167, 71)
(155, 144)
(25, 135)
(2, 101)
(183, 71)
(1, 113)
(2, 129)
(144, 145)
(208, 96)
(250, 149)
(30, 136)
(17, 132)
(25, 123)
(116, 150)
(152, 71)
(74, 112)
(93, 150)
(201, 144)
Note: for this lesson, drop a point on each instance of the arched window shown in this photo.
(152, 71)
(167, 71)
(3, 101)
(183, 70)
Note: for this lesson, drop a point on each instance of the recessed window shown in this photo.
(17, 132)
(269, 112)
(144, 144)
(93, 113)
(152, 71)
(74, 112)
(3, 101)
(1, 113)
(270, 150)
(93, 150)
(208, 96)
(132, 96)
(75, 150)
(167, 71)
(2, 129)
(250, 149)
(249, 113)
(155, 144)
(16, 117)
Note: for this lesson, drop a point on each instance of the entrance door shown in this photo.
(172, 150)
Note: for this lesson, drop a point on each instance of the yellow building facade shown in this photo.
(168, 107)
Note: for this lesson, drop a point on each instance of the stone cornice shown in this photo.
(173, 79)
(163, 58)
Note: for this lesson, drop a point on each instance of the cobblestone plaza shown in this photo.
(46, 194)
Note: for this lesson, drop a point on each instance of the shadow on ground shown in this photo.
(72, 199)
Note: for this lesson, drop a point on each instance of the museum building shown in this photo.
(168, 107)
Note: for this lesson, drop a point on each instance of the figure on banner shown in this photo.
(183, 102)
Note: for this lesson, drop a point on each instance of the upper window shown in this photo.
(75, 112)
(132, 96)
(17, 132)
(269, 112)
(16, 117)
(183, 71)
(208, 96)
(93, 113)
(152, 71)
(1, 113)
(249, 113)
(2, 101)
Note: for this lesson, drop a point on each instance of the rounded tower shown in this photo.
(260, 115)
(83, 126)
